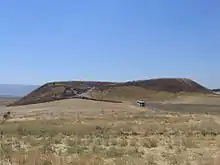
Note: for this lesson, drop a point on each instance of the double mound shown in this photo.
(143, 89)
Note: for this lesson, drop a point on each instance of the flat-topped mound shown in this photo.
(114, 90)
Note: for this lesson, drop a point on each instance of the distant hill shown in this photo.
(9, 97)
(15, 90)
(149, 89)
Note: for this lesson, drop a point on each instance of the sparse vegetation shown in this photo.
(143, 138)
(50, 141)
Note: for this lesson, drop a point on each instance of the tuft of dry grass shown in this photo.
(151, 142)
(188, 142)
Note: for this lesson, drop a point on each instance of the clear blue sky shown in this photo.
(115, 40)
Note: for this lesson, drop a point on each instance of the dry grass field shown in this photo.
(83, 132)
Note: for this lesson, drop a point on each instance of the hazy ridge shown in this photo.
(15, 90)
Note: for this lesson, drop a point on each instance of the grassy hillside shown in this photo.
(130, 93)
(154, 89)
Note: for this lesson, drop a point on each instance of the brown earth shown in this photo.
(149, 89)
